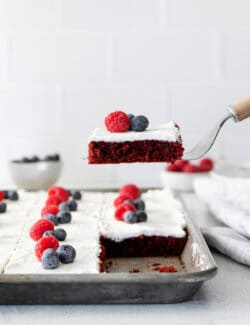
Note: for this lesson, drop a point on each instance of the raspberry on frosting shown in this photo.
(117, 121)
(39, 228)
(131, 191)
(121, 209)
(60, 192)
(53, 200)
(45, 243)
(120, 199)
(50, 209)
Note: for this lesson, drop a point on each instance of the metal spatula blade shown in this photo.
(237, 112)
(206, 143)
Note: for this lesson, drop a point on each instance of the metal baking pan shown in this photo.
(194, 266)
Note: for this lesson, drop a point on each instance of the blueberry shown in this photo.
(76, 195)
(12, 195)
(130, 116)
(60, 234)
(52, 218)
(48, 158)
(64, 217)
(130, 217)
(141, 216)
(56, 157)
(67, 254)
(72, 205)
(34, 159)
(50, 259)
(139, 123)
(25, 160)
(49, 233)
(64, 206)
(3, 207)
(139, 204)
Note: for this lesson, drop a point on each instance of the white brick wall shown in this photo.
(64, 64)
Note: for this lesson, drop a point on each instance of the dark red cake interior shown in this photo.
(142, 246)
(134, 151)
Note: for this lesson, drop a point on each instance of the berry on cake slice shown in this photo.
(131, 191)
(11, 195)
(139, 204)
(141, 216)
(76, 195)
(139, 123)
(122, 208)
(44, 243)
(59, 233)
(2, 196)
(39, 228)
(3, 207)
(50, 259)
(120, 199)
(117, 121)
(50, 209)
(72, 205)
(60, 192)
(64, 217)
(53, 200)
(64, 206)
(52, 218)
(130, 217)
(66, 253)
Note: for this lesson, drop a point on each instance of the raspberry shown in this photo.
(39, 228)
(53, 200)
(120, 199)
(173, 168)
(121, 209)
(2, 196)
(60, 192)
(45, 243)
(206, 164)
(50, 209)
(117, 121)
(190, 168)
(131, 191)
(166, 269)
(180, 163)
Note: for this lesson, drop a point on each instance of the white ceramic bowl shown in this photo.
(35, 176)
(179, 181)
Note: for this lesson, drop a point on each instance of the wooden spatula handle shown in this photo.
(242, 108)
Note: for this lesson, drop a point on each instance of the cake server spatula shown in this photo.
(236, 112)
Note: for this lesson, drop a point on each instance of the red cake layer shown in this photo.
(134, 151)
(143, 246)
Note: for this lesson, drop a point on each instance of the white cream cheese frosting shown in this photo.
(165, 132)
(165, 218)
(94, 217)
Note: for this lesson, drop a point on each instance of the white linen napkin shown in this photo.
(228, 199)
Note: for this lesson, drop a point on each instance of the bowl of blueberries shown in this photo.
(35, 173)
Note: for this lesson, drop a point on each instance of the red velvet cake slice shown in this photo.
(159, 144)
(161, 233)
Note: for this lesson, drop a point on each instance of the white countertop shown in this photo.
(223, 300)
